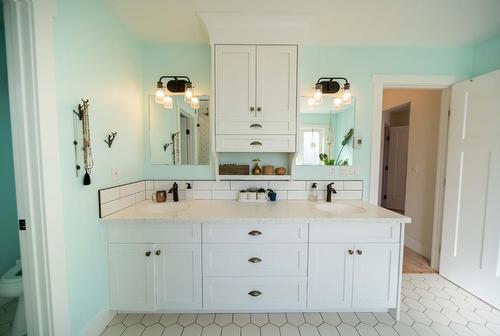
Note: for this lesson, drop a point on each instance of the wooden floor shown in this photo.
(415, 263)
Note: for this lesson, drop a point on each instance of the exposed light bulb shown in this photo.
(168, 102)
(337, 102)
(160, 94)
(312, 144)
(346, 94)
(195, 103)
(318, 92)
(310, 102)
(188, 94)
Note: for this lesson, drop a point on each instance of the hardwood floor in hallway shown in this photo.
(416, 263)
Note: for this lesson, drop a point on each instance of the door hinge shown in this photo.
(386, 167)
(388, 138)
(187, 132)
(385, 196)
(22, 225)
(449, 113)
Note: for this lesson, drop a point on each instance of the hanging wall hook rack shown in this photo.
(82, 108)
(111, 138)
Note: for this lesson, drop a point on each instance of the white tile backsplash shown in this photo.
(118, 198)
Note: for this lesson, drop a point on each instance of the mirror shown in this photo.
(325, 134)
(181, 135)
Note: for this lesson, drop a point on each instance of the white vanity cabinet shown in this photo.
(255, 95)
(154, 267)
(354, 266)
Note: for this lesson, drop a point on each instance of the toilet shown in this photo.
(11, 286)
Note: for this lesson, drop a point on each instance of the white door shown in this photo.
(178, 276)
(330, 276)
(276, 82)
(396, 168)
(470, 251)
(234, 84)
(375, 276)
(131, 277)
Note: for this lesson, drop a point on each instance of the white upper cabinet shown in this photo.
(235, 82)
(255, 94)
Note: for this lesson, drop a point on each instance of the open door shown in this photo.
(397, 159)
(470, 252)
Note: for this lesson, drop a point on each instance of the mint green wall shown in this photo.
(97, 59)
(9, 238)
(486, 56)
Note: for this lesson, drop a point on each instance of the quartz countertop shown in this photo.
(210, 210)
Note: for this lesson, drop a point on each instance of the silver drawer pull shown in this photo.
(255, 233)
(254, 293)
(255, 143)
(255, 126)
(254, 260)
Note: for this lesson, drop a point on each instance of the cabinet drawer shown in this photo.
(354, 232)
(255, 232)
(154, 233)
(250, 294)
(253, 126)
(255, 259)
(255, 143)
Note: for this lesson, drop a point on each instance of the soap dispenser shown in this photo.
(313, 196)
(189, 192)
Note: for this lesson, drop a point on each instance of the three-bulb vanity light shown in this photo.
(176, 84)
(330, 85)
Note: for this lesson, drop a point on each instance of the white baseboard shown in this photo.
(418, 246)
(99, 323)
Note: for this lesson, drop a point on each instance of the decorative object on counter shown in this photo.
(261, 194)
(314, 193)
(234, 169)
(88, 161)
(160, 196)
(271, 195)
(327, 161)
(175, 192)
(189, 192)
(111, 138)
(280, 171)
(330, 85)
(252, 194)
(256, 169)
(268, 170)
(242, 196)
(176, 84)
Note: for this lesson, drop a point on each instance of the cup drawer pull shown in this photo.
(254, 260)
(255, 233)
(254, 293)
(255, 126)
(255, 143)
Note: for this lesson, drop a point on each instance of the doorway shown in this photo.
(408, 168)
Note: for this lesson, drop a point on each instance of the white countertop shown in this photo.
(210, 210)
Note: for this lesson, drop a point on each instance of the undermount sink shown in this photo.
(340, 208)
(158, 208)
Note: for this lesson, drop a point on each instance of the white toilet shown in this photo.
(11, 286)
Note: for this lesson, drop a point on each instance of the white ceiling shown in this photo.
(335, 22)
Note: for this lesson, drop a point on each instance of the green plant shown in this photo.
(331, 162)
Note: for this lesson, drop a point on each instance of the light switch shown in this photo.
(115, 174)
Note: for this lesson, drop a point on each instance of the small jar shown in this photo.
(243, 195)
(261, 195)
(252, 195)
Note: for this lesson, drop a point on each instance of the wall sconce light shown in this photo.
(331, 85)
(195, 103)
(176, 84)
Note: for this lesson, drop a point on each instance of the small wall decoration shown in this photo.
(88, 162)
(111, 138)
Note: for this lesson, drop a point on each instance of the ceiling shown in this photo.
(334, 22)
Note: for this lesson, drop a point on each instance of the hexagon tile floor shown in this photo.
(432, 306)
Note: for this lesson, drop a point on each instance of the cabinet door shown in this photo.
(234, 82)
(330, 276)
(131, 277)
(375, 280)
(178, 276)
(276, 82)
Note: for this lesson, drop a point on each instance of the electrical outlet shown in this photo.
(334, 171)
(115, 174)
(357, 142)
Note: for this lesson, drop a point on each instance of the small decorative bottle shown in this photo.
(256, 169)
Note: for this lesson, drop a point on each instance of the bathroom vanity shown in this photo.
(217, 256)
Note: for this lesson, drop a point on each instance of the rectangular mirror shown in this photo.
(325, 134)
(180, 135)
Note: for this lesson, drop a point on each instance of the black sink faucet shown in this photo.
(175, 191)
(329, 191)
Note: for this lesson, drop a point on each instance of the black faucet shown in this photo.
(175, 191)
(329, 191)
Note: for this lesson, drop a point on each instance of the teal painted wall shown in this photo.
(486, 56)
(9, 238)
(96, 59)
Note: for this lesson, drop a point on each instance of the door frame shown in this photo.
(29, 39)
(381, 82)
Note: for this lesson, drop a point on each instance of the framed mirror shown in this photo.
(325, 133)
(179, 135)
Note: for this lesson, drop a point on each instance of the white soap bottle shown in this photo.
(189, 192)
(313, 196)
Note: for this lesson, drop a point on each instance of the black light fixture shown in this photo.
(331, 85)
(176, 84)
